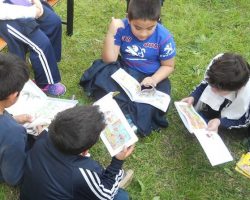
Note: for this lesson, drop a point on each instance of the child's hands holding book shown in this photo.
(188, 100)
(126, 152)
(23, 118)
(213, 125)
(148, 82)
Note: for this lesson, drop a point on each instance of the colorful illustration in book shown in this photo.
(115, 132)
(193, 117)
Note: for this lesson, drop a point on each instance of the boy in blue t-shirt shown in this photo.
(147, 51)
(13, 139)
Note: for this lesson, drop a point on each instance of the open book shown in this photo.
(134, 91)
(210, 141)
(34, 101)
(118, 132)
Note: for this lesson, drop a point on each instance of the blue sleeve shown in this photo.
(198, 91)
(106, 184)
(238, 123)
(119, 33)
(12, 163)
(168, 49)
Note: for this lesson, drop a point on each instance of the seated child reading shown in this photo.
(147, 52)
(58, 166)
(223, 97)
(13, 138)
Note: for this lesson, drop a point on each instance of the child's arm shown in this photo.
(228, 123)
(166, 68)
(24, 118)
(111, 51)
(195, 95)
(11, 12)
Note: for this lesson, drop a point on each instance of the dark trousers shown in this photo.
(41, 38)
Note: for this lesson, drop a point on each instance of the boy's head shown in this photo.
(228, 72)
(77, 129)
(143, 16)
(14, 74)
(144, 10)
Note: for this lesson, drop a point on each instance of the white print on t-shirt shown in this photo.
(168, 50)
(136, 51)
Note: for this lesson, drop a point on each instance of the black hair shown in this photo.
(144, 9)
(14, 73)
(229, 72)
(76, 129)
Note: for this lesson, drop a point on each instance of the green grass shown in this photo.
(170, 164)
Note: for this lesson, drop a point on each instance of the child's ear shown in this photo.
(13, 96)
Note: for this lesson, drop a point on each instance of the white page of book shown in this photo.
(214, 147)
(118, 133)
(132, 88)
(32, 100)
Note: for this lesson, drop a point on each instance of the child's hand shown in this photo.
(115, 25)
(24, 118)
(188, 100)
(213, 125)
(125, 153)
(39, 8)
(149, 81)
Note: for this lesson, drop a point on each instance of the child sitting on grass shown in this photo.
(13, 137)
(59, 167)
(147, 52)
(223, 97)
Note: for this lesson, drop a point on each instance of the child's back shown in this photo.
(13, 74)
(58, 167)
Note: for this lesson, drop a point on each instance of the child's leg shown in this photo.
(121, 195)
(50, 23)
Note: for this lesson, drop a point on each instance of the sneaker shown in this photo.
(127, 178)
(56, 89)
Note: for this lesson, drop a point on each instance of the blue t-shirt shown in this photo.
(12, 149)
(145, 56)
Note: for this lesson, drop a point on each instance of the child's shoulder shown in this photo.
(162, 30)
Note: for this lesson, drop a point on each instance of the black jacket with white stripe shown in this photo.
(52, 175)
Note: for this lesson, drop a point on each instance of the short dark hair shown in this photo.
(229, 72)
(76, 129)
(14, 73)
(144, 9)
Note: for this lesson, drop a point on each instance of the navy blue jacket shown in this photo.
(12, 149)
(52, 175)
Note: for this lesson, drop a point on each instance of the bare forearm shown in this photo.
(109, 49)
(162, 73)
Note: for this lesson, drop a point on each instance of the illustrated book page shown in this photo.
(211, 142)
(191, 119)
(133, 89)
(32, 100)
(117, 133)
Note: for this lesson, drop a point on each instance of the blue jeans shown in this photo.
(121, 195)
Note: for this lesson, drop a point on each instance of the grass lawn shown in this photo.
(170, 164)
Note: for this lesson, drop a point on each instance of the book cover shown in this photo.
(212, 144)
(117, 133)
(243, 165)
(134, 91)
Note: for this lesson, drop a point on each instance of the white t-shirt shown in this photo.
(10, 11)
